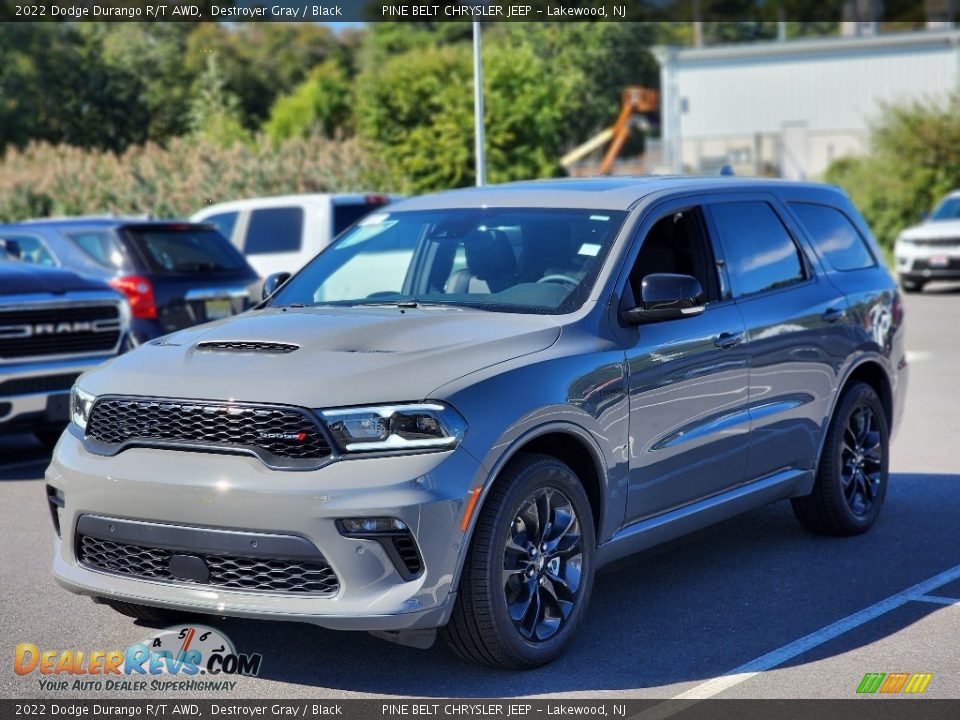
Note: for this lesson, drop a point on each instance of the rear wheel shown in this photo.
(852, 479)
(527, 579)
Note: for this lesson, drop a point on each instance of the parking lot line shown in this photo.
(938, 599)
(772, 659)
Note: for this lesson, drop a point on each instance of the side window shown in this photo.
(836, 239)
(100, 246)
(274, 230)
(31, 249)
(759, 251)
(224, 222)
(677, 243)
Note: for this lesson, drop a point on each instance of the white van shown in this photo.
(282, 233)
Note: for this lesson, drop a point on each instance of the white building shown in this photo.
(790, 108)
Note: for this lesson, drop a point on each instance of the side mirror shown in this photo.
(665, 296)
(273, 283)
(924, 216)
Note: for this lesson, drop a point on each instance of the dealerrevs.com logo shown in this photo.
(183, 652)
(894, 683)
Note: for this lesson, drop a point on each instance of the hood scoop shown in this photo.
(246, 346)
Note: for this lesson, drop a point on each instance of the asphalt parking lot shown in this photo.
(754, 607)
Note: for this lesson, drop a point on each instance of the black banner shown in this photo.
(431, 11)
(488, 709)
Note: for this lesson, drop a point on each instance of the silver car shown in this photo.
(471, 401)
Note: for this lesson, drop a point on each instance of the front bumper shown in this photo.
(927, 262)
(238, 493)
(37, 393)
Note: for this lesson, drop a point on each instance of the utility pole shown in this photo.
(481, 158)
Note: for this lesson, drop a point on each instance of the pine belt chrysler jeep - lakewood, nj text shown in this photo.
(539, 378)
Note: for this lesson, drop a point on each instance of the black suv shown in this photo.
(174, 274)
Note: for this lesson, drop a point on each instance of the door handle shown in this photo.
(832, 315)
(727, 340)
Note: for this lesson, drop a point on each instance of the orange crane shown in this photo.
(635, 100)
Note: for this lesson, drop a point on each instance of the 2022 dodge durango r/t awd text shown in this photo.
(538, 378)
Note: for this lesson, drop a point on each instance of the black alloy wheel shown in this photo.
(851, 480)
(527, 577)
(542, 564)
(861, 458)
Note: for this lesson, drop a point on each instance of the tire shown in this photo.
(852, 478)
(145, 613)
(912, 286)
(481, 628)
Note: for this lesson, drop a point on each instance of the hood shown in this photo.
(345, 356)
(18, 278)
(933, 230)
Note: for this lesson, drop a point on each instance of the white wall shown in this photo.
(831, 88)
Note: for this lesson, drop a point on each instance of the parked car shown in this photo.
(54, 325)
(554, 375)
(284, 232)
(174, 274)
(931, 250)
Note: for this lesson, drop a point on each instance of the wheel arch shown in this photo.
(568, 443)
(871, 372)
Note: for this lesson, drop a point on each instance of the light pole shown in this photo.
(481, 158)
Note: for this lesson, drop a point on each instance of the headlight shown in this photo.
(422, 426)
(81, 403)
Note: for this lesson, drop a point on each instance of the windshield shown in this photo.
(949, 209)
(507, 260)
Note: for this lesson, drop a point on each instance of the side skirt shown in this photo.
(676, 523)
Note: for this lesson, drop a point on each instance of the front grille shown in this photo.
(937, 242)
(59, 330)
(279, 435)
(247, 347)
(233, 572)
(42, 384)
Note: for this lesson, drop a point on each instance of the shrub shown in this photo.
(179, 179)
(914, 160)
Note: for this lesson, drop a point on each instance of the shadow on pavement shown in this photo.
(686, 611)
(22, 458)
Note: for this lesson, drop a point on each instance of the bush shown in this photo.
(179, 179)
(914, 160)
(319, 105)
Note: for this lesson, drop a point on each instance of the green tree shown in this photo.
(320, 104)
(214, 111)
(914, 160)
(262, 61)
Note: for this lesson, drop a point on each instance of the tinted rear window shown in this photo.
(346, 215)
(274, 230)
(835, 237)
(188, 250)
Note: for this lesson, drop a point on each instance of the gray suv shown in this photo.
(471, 401)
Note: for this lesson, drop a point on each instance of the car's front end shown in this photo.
(366, 543)
(53, 327)
(267, 466)
(930, 251)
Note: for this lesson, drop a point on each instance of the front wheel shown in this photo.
(527, 579)
(912, 286)
(852, 479)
